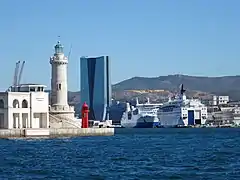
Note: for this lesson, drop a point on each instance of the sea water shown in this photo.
(131, 154)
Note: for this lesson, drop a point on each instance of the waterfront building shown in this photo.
(24, 106)
(96, 88)
(220, 100)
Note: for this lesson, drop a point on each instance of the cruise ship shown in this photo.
(181, 111)
(141, 116)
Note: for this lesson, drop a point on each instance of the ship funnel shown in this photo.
(181, 89)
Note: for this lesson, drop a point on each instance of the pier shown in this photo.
(54, 133)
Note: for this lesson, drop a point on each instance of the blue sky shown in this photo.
(143, 37)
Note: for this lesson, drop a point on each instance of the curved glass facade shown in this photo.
(96, 86)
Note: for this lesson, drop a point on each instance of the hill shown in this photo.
(196, 87)
(170, 82)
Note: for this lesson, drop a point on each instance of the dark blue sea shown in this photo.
(188, 154)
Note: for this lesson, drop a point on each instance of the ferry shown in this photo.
(182, 112)
(141, 116)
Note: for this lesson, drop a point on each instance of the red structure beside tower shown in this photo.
(85, 111)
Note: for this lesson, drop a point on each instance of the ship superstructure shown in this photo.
(181, 111)
(140, 116)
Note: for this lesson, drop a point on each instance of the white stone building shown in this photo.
(220, 100)
(24, 106)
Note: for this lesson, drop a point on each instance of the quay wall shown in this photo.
(82, 132)
(62, 132)
(8, 133)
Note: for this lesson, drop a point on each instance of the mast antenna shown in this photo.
(59, 38)
(70, 51)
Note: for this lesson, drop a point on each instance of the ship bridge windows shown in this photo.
(168, 108)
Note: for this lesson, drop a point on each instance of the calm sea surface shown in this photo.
(130, 154)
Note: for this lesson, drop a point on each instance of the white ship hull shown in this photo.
(171, 119)
(138, 121)
(141, 116)
(185, 116)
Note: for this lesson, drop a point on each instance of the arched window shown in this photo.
(1, 103)
(24, 104)
(15, 103)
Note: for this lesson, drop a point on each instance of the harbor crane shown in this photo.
(20, 73)
(17, 74)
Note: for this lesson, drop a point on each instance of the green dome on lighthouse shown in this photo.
(58, 48)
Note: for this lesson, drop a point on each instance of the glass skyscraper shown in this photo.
(96, 88)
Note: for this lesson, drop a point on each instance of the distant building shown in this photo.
(24, 106)
(96, 88)
(220, 100)
(116, 111)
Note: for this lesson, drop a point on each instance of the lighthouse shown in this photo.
(59, 83)
(61, 115)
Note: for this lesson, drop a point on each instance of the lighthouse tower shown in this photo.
(59, 89)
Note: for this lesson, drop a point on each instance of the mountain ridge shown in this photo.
(218, 85)
(169, 82)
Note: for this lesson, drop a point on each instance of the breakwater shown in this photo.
(61, 132)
